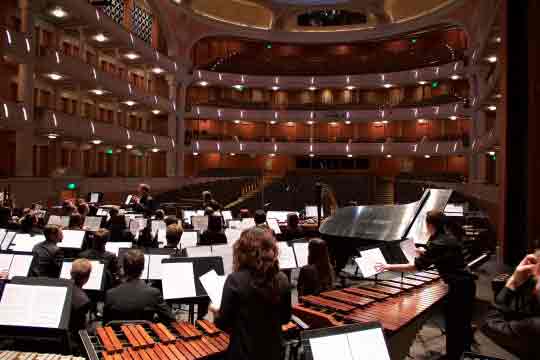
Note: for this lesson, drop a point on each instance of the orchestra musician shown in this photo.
(80, 303)
(208, 201)
(444, 251)
(47, 256)
(318, 275)
(515, 320)
(256, 299)
(144, 202)
(293, 230)
(97, 252)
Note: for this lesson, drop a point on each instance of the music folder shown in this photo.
(30, 303)
(181, 276)
(97, 274)
(92, 223)
(15, 264)
(348, 342)
(62, 221)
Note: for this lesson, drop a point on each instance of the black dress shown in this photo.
(446, 254)
(254, 322)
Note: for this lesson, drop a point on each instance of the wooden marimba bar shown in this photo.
(394, 303)
(156, 341)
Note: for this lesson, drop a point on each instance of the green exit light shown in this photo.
(109, 151)
(71, 186)
(414, 41)
(435, 84)
(268, 45)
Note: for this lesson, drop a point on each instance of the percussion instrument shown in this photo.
(142, 340)
(16, 355)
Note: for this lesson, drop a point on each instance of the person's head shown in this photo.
(173, 235)
(101, 237)
(79, 201)
(244, 214)
(260, 217)
(80, 272)
(83, 209)
(75, 221)
(207, 196)
(53, 233)
(292, 220)
(435, 222)
(144, 189)
(133, 264)
(114, 211)
(68, 208)
(208, 211)
(170, 220)
(257, 252)
(160, 214)
(319, 257)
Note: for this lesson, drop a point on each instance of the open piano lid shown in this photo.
(386, 222)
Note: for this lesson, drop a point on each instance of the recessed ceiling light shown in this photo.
(238, 87)
(52, 136)
(158, 70)
(132, 55)
(195, 154)
(290, 123)
(129, 146)
(349, 155)
(59, 12)
(98, 92)
(272, 155)
(156, 112)
(350, 87)
(422, 82)
(130, 103)
(311, 155)
(275, 88)
(237, 121)
(453, 117)
(422, 121)
(348, 122)
(492, 59)
(427, 156)
(312, 88)
(333, 123)
(232, 154)
(96, 141)
(384, 122)
(310, 122)
(100, 37)
(203, 83)
(55, 76)
(455, 77)
(492, 107)
(491, 153)
(155, 150)
(497, 39)
(389, 156)
(273, 122)
(387, 86)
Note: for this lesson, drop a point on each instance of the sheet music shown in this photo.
(247, 223)
(331, 347)
(92, 223)
(227, 215)
(102, 212)
(96, 274)
(25, 242)
(5, 262)
(128, 199)
(200, 223)
(368, 344)
(155, 271)
(178, 280)
(10, 235)
(280, 216)
(73, 239)
(226, 253)
(213, 284)
(158, 225)
(369, 261)
(189, 239)
(188, 214)
(301, 253)
(409, 249)
(286, 256)
(199, 212)
(32, 305)
(232, 235)
(273, 224)
(2, 235)
(235, 224)
(311, 211)
(199, 251)
(114, 247)
(20, 266)
(94, 197)
(62, 221)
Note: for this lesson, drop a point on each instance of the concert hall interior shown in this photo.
(269, 179)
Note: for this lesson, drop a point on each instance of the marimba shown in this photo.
(16, 355)
(401, 305)
(143, 340)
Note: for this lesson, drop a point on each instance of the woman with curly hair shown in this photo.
(256, 299)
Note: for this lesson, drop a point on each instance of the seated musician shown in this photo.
(318, 275)
(135, 300)
(514, 323)
(144, 202)
(83, 209)
(260, 219)
(170, 220)
(444, 251)
(160, 215)
(47, 256)
(173, 236)
(256, 299)
(117, 226)
(97, 252)
(293, 230)
(208, 201)
(68, 208)
(29, 224)
(80, 303)
(214, 234)
(75, 222)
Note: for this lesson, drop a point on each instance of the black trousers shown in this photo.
(458, 316)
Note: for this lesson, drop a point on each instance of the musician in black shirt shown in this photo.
(318, 275)
(144, 202)
(444, 251)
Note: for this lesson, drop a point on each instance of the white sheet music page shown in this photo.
(94, 197)
(73, 239)
(368, 344)
(96, 275)
(273, 224)
(114, 247)
(199, 251)
(200, 223)
(58, 220)
(20, 266)
(213, 284)
(227, 215)
(155, 271)
(189, 239)
(286, 256)
(178, 280)
(226, 253)
(301, 252)
(5, 262)
(369, 261)
(25, 242)
(232, 235)
(331, 347)
(247, 223)
(10, 235)
(92, 223)
(32, 305)
(409, 249)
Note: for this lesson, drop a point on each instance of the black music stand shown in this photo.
(28, 335)
(473, 356)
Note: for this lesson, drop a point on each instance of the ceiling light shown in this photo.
(52, 136)
(203, 83)
(349, 155)
(491, 153)
(130, 103)
(59, 12)
(155, 150)
(275, 88)
(497, 96)
(158, 70)
(389, 156)
(350, 87)
(156, 112)
(195, 154)
(55, 76)
(96, 141)
(453, 117)
(333, 123)
(273, 122)
(348, 122)
(422, 121)
(238, 87)
(237, 121)
(232, 154)
(100, 37)
(132, 55)
(492, 107)
(492, 59)
(290, 123)
(311, 155)
(387, 86)
(310, 122)
(312, 88)
(129, 146)
(455, 77)
(427, 156)
(384, 122)
(422, 82)
(497, 39)
(98, 92)
(272, 155)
